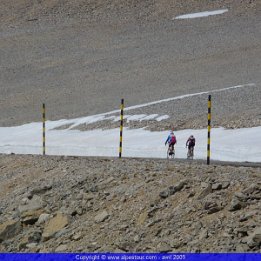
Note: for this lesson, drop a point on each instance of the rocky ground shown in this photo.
(65, 204)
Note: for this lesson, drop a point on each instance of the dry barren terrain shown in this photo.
(82, 57)
(70, 204)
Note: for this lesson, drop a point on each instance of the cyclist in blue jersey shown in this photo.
(171, 140)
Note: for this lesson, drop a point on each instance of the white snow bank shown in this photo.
(227, 145)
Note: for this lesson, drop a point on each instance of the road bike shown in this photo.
(190, 153)
(171, 152)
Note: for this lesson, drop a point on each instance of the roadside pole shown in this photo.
(121, 127)
(43, 129)
(209, 128)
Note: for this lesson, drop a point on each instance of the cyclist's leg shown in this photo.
(169, 151)
(189, 151)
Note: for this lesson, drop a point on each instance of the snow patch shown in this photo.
(201, 14)
(227, 145)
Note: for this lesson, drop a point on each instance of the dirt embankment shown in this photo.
(72, 204)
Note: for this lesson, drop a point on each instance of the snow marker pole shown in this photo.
(209, 128)
(43, 129)
(121, 127)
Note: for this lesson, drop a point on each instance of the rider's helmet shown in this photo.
(172, 132)
(191, 137)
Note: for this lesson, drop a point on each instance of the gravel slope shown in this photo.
(83, 63)
(72, 204)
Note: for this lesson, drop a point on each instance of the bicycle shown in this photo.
(171, 152)
(190, 153)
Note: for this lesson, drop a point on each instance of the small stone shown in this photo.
(35, 237)
(225, 184)
(24, 201)
(23, 242)
(142, 218)
(216, 186)
(163, 247)
(241, 248)
(247, 215)
(203, 234)
(106, 193)
(191, 194)
(164, 194)
(204, 185)
(88, 196)
(110, 197)
(241, 196)
(94, 189)
(77, 236)
(101, 216)
(79, 211)
(61, 248)
(43, 218)
(32, 246)
(137, 238)
(79, 196)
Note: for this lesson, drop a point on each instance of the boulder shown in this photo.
(216, 186)
(178, 187)
(236, 204)
(205, 192)
(33, 204)
(41, 189)
(9, 229)
(211, 207)
(173, 189)
(61, 249)
(253, 188)
(254, 239)
(31, 216)
(54, 225)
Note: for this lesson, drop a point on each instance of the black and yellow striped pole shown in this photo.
(43, 129)
(121, 127)
(209, 128)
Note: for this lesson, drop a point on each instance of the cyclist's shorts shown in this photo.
(191, 146)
